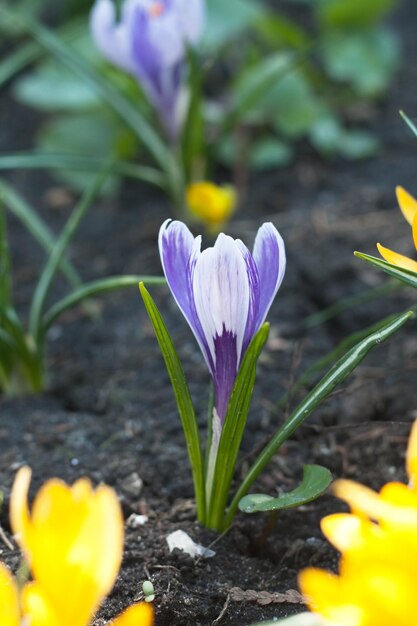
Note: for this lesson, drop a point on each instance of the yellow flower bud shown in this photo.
(212, 204)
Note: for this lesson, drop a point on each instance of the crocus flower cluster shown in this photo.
(212, 204)
(378, 568)
(149, 41)
(408, 206)
(224, 292)
(72, 542)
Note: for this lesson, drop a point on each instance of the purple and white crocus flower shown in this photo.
(149, 41)
(224, 292)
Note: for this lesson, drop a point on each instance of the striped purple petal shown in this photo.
(150, 42)
(179, 252)
(224, 292)
(270, 260)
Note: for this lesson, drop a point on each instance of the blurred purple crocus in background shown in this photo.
(224, 292)
(149, 41)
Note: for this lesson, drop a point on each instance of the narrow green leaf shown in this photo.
(406, 276)
(334, 377)
(315, 481)
(18, 60)
(334, 355)
(25, 352)
(27, 53)
(409, 123)
(183, 398)
(94, 288)
(49, 160)
(233, 428)
(52, 265)
(36, 226)
(345, 304)
(192, 140)
(8, 342)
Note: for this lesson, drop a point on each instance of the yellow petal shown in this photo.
(9, 600)
(19, 514)
(36, 608)
(408, 204)
(414, 230)
(73, 542)
(397, 259)
(366, 502)
(211, 203)
(325, 595)
(399, 495)
(411, 459)
(136, 615)
(345, 531)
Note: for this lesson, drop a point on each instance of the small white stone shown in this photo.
(135, 520)
(179, 539)
(133, 484)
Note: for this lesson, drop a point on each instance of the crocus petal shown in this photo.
(222, 301)
(36, 607)
(179, 252)
(158, 49)
(136, 615)
(192, 16)
(221, 293)
(252, 324)
(344, 530)
(408, 204)
(175, 247)
(411, 458)
(269, 255)
(365, 501)
(110, 37)
(414, 231)
(397, 259)
(9, 600)
(325, 595)
(150, 58)
(73, 542)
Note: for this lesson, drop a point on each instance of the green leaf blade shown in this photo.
(316, 480)
(27, 215)
(57, 254)
(233, 428)
(335, 376)
(406, 276)
(183, 398)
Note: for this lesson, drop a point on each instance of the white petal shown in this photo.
(111, 38)
(221, 292)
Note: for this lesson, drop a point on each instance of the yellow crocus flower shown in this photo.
(9, 599)
(72, 541)
(378, 568)
(408, 206)
(210, 203)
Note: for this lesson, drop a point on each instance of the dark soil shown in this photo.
(109, 412)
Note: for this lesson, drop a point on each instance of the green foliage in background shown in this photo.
(22, 344)
(270, 78)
